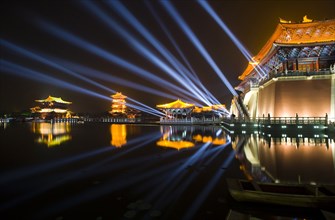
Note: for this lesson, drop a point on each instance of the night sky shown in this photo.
(252, 22)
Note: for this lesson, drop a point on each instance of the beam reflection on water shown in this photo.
(28, 172)
(172, 193)
(202, 196)
(179, 173)
(42, 168)
(70, 176)
(177, 183)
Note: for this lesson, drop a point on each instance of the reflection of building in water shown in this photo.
(312, 161)
(294, 73)
(52, 107)
(208, 138)
(118, 135)
(179, 137)
(52, 134)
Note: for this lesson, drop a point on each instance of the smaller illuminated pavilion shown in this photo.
(52, 107)
(177, 109)
(118, 104)
(210, 109)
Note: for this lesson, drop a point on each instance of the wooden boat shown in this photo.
(304, 213)
(298, 195)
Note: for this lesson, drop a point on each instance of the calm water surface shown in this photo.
(112, 171)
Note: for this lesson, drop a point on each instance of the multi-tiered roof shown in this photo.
(51, 99)
(51, 105)
(291, 40)
(178, 104)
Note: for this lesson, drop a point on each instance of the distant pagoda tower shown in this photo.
(52, 107)
(118, 104)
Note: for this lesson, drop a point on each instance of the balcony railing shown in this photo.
(190, 120)
(292, 120)
(284, 120)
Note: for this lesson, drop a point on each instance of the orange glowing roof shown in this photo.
(175, 144)
(118, 95)
(292, 34)
(206, 139)
(176, 104)
(197, 109)
(219, 141)
(53, 99)
(209, 108)
(206, 108)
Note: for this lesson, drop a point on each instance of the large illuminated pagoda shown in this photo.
(120, 108)
(294, 72)
(118, 104)
(52, 107)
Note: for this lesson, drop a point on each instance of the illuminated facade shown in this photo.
(118, 104)
(52, 107)
(294, 73)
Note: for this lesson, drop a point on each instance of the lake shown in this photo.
(141, 171)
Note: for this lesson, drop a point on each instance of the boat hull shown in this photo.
(280, 194)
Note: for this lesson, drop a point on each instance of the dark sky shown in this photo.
(252, 22)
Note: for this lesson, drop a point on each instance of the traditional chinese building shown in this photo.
(118, 104)
(52, 107)
(293, 73)
(177, 109)
(210, 111)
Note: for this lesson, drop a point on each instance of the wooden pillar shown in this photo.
(317, 64)
(296, 65)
